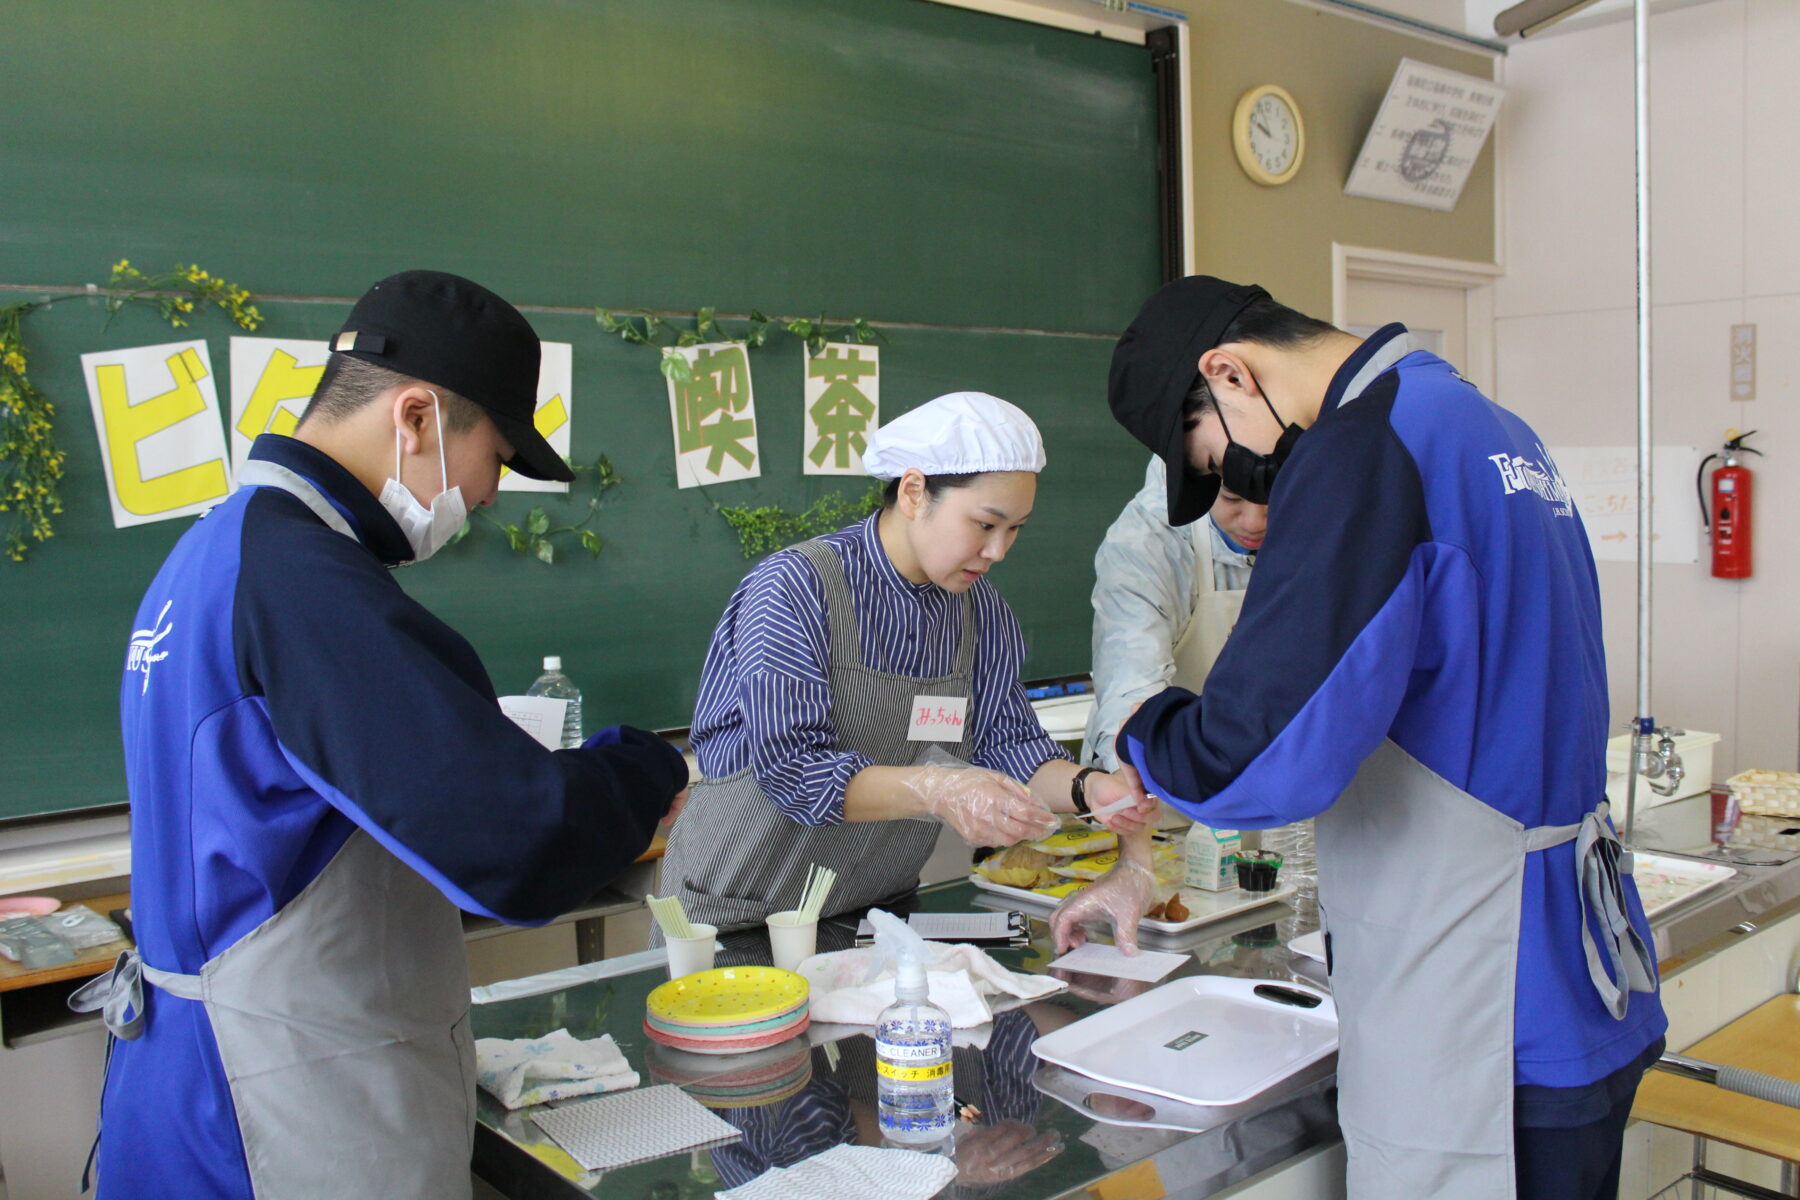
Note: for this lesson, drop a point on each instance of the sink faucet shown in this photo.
(1661, 767)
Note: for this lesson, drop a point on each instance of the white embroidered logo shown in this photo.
(143, 653)
(1541, 478)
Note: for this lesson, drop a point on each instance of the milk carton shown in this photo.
(1212, 858)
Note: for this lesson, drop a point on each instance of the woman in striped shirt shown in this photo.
(864, 687)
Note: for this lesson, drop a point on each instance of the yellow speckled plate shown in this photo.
(728, 994)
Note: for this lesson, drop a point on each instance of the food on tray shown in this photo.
(1175, 910)
(1061, 888)
(1017, 866)
(1088, 866)
(1076, 841)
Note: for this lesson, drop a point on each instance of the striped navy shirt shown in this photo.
(765, 703)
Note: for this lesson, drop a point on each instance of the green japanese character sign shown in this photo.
(714, 416)
(843, 407)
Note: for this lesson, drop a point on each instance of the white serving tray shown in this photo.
(1310, 945)
(1205, 1039)
(1202, 906)
(1664, 882)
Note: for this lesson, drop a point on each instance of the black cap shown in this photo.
(1153, 369)
(453, 332)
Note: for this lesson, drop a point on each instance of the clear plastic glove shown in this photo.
(1123, 793)
(986, 807)
(1119, 897)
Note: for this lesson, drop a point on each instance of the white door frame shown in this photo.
(1476, 279)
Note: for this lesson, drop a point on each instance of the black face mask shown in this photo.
(1245, 472)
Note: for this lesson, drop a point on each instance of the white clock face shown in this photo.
(1274, 134)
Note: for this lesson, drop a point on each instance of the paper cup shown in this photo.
(690, 954)
(793, 938)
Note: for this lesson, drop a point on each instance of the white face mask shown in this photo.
(426, 529)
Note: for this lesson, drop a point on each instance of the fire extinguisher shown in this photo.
(1727, 511)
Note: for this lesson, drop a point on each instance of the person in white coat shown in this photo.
(1165, 599)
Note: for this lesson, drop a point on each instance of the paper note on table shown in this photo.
(540, 716)
(1094, 958)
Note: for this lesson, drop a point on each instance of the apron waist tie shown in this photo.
(1601, 862)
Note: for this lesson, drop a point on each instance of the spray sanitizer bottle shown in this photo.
(912, 1043)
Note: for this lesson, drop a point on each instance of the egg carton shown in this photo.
(1767, 793)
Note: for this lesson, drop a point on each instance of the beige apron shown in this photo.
(1215, 615)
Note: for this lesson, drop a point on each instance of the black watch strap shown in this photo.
(1078, 789)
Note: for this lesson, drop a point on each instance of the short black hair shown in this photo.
(351, 383)
(935, 486)
(1265, 322)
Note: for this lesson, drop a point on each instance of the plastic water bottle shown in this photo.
(1299, 861)
(554, 685)
(914, 1085)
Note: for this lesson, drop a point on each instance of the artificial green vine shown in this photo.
(770, 527)
(31, 465)
(652, 329)
(534, 536)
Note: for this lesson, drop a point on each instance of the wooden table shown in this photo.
(1765, 1039)
(93, 962)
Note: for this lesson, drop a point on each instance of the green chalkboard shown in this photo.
(984, 188)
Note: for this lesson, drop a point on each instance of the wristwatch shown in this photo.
(1078, 788)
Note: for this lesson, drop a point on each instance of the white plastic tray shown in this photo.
(1202, 906)
(1205, 1039)
(1663, 882)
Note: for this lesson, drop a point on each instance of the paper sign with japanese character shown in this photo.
(1426, 137)
(162, 444)
(714, 416)
(555, 411)
(1602, 483)
(843, 407)
(271, 381)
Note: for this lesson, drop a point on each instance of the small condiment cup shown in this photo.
(690, 954)
(793, 938)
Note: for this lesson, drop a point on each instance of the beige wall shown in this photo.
(1725, 170)
(1338, 69)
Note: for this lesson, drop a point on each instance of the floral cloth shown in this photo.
(524, 1071)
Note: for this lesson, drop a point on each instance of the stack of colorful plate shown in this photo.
(727, 1010)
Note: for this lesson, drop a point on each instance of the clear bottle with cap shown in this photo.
(554, 685)
(915, 1088)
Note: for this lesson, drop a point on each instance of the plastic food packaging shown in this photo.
(1017, 866)
(27, 942)
(1257, 870)
(82, 927)
(1088, 866)
(1077, 841)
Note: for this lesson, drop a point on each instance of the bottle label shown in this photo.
(907, 1074)
(909, 1051)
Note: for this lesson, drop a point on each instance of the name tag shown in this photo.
(937, 718)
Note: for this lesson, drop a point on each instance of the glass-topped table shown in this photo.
(1016, 1142)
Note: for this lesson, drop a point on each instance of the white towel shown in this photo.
(866, 1172)
(962, 979)
(525, 1071)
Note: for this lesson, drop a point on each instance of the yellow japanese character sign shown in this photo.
(555, 408)
(843, 407)
(272, 379)
(714, 416)
(156, 413)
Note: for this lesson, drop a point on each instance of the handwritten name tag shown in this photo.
(937, 718)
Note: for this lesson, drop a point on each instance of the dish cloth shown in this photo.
(866, 1172)
(962, 979)
(526, 1071)
(615, 1131)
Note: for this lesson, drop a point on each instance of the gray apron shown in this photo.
(734, 857)
(341, 1021)
(1421, 887)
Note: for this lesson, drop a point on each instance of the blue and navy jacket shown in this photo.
(282, 691)
(1427, 579)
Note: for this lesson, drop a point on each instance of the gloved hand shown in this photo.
(1122, 785)
(1119, 897)
(986, 807)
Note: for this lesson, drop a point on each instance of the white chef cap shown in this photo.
(962, 433)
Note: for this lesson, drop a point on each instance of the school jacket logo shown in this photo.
(142, 653)
(1541, 478)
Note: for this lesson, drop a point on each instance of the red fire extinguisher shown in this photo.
(1727, 511)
